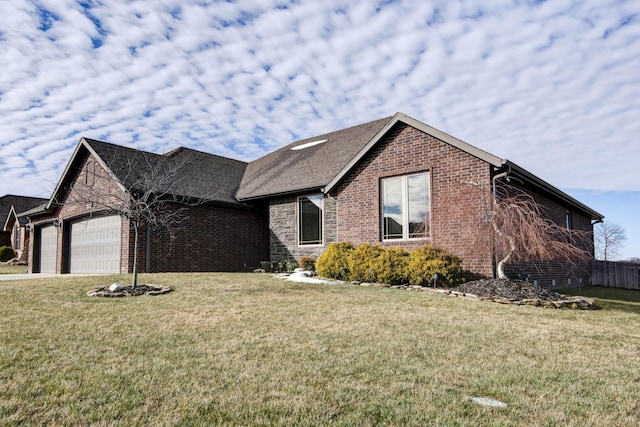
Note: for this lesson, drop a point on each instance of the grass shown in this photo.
(12, 269)
(247, 349)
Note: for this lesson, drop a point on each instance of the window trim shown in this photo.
(299, 219)
(405, 207)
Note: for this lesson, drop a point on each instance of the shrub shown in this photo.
(284, 266)
(308, 263)
(362, 262)
(427, 260)
(334, 262)
(6, 253)
(391, 266)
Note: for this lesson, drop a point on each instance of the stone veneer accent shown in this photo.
(283, 229)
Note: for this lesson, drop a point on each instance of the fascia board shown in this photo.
(540, 183)
(12, 211)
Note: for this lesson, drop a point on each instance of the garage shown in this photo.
(95, 245)
(48, 248)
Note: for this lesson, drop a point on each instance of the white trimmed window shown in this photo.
(405, 207)
(310, 220)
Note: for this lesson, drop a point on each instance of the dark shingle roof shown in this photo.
(199, 175)
(287, 171)
(20, 204)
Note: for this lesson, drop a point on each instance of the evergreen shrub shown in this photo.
(308, 263)
(391, 266)
(362, 262)
(334, 262)
(427, 260)
(6, 253)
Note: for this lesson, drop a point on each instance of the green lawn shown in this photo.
(247, 349)
(13, 269)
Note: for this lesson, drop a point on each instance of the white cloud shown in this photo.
(552, 86)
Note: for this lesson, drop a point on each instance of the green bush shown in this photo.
(362, 263)
(427, 260)
(391, 266)
(6, 253)
(308, 263)
(334, 262)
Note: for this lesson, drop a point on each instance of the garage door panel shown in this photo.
(48, 248)
(96, 245)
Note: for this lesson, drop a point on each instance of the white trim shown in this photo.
(405, 207)
(298, 218)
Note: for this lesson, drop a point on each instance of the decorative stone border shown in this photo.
(127, 291)
(573, 302)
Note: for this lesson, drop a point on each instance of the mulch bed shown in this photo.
(129, 291)
(514, 290)
(507, 291)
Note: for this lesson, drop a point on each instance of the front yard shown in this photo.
(247, 349)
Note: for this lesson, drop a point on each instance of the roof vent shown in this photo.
(308, 144)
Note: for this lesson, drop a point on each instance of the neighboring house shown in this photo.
(15, 231)
(388, 181)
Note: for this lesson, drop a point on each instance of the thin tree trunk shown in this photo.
(512, 249)
(134, 283)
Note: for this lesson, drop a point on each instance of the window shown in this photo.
(405, 207)
(310, 220)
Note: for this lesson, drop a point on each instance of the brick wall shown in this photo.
(88, 182)
(211, 238)
(558, 274)
(453, 217)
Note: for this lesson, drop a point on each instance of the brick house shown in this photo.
(15, 231)
(389, 181)
(78, 231)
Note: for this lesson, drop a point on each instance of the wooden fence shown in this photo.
(623, 275)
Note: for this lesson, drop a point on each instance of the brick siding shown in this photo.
(407, 150)
(353, 213)
(212, 238)
(557, 274)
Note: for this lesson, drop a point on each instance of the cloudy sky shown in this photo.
(553, 86)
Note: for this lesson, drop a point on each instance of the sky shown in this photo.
(553, 86)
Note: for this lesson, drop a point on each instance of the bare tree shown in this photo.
(516, 229)
(610, 240)
(146, 189)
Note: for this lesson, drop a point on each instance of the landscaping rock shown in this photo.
(505, 291)
(116, 287)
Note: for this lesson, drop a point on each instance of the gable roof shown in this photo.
(323, 166)
(309, 167)
(17, 204)
(198, 175)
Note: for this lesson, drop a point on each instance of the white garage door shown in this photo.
(48, 248)
(95, 245)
